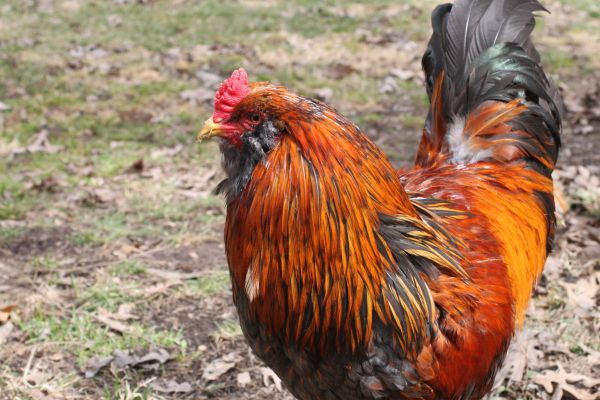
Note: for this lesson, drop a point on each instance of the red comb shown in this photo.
(230, 93)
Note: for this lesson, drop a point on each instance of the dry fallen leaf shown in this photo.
(36, 394)
(124, 312)
(125, 250)
(159, 288)
(122, 359)
(171, 386)
(104, 195)
(220, 366)
(96, 364)
(5, 331)
(5, 313)
(145, 359)
(173, 276)
(105, 318)
(36, 378)
(583, 294)
(153, 358)
(215, 369)
(270, 378)
(39, 144)
(56, 357)
(572, 383)
(243, 378)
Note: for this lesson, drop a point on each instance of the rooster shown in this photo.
(355, 281)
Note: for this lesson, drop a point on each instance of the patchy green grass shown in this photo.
(206, 286)
(85, 336)
(9, 234)
(591, 7)
(558, 60)
(228, 330)
(128, 268)
(123, 390)
(15, 198)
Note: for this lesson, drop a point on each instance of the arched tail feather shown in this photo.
(490, 99)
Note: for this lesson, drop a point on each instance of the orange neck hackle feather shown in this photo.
(303, 237)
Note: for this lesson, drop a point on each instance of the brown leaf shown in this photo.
(122, 359)
(150, 359)
(154, 357)
(49, 184)
(338, 70)
(159, 288)
(111, 323)
(271, 378)
(123, 313)
(171, 386)
(147, 359)
(125, 250)
(243, 379)
(40, 144)
(568, 382)
(173, 276)
(36, 378)
(135, 115)
(5, 313)
(56, 357)
(220, 366)
(5, 331)
(95, 365)
(36, 394)
(583, 293)
(104, 195)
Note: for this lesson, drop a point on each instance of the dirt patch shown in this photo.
(36, 241)
(207, 255)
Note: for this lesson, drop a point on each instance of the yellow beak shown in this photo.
(209, 130)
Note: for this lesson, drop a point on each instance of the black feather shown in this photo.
(239, 164)
(485, 50)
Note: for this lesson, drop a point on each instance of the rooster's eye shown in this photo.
(255, 117)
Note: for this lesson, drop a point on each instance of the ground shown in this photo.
(111, 247)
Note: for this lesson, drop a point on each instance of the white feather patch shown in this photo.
(460, 145)
(252, 283)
